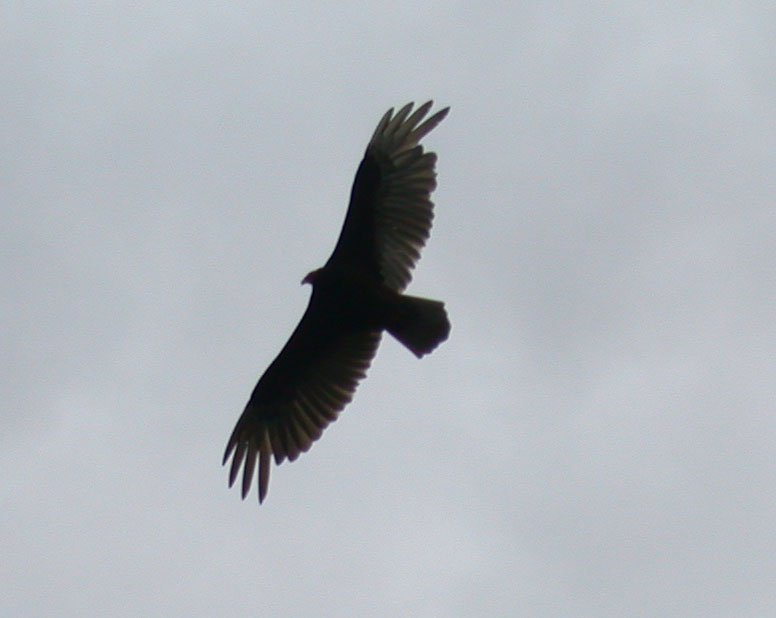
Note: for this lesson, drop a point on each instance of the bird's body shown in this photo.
(356, 296)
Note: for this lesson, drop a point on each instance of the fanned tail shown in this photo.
(420, 324)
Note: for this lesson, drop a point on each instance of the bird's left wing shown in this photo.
(303, 390)
(390, 212)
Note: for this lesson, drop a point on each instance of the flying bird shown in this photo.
(356, 296)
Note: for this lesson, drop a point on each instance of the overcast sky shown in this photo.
(596, 438)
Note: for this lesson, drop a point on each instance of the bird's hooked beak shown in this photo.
(310, 277)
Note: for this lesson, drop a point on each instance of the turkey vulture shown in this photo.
(355, 297)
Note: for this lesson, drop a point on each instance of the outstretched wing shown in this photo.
(303, 390)
(390, 212)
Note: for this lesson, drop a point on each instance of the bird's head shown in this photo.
(311, 276)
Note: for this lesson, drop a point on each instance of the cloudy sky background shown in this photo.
(596, 438)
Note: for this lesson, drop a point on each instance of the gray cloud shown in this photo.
(597, 436)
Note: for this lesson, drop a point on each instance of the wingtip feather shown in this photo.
(249, 468)
(398, 119)
(239, 454)
(265, 461)
(428, 125)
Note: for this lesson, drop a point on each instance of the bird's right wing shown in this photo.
(301, 392)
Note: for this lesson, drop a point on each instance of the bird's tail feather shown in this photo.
(420, 324)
